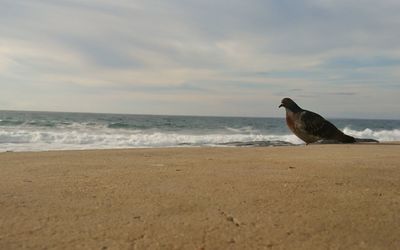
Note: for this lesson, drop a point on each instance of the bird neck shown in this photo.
(294, 109)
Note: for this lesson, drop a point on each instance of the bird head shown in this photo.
(290, 105)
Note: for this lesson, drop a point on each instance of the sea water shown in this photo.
(41, 131)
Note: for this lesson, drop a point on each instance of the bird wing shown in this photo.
(314, 124)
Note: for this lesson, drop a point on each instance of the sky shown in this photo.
(201, 57)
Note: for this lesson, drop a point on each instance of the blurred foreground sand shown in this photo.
(303, 197)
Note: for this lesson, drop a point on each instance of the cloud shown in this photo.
(363, 62)
(208, 50)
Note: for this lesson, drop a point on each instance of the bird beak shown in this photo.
(280, 105)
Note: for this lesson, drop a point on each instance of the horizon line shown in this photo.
(184, 115)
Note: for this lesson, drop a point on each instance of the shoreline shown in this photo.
(256, 144)
(317, 196)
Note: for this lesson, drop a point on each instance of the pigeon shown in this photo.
(311, 127)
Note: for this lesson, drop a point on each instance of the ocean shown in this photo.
(43, 131)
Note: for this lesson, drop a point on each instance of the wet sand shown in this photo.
(301, 197)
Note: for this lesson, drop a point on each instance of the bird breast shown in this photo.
(297, 127)
(290, 120)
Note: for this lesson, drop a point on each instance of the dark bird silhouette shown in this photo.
(311, 127)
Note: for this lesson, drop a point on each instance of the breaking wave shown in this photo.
(42, 131)
(103, 138)
(25, 140)
(380, 135)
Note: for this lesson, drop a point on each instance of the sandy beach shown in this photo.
(300, 197)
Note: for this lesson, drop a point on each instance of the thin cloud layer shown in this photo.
(201, 57)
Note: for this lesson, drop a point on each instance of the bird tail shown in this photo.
(349, 139)
(343, 138)
(366, 140)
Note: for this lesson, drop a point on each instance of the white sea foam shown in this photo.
(246, 129)
(101, 137)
